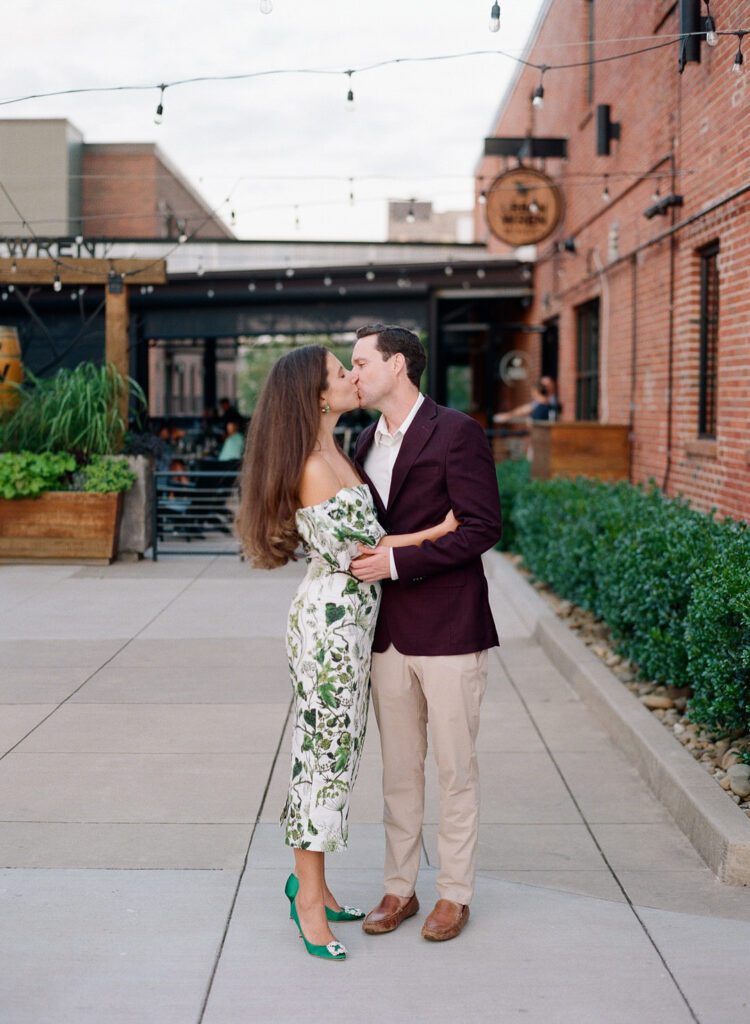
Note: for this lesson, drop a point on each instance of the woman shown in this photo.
(298, 485)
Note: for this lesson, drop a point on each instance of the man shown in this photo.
(435, 624)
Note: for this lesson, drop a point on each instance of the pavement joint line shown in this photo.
(109, 659)
(594, 839)
(241, 875)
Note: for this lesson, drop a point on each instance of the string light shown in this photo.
(739, 57)
(712, 37)
(538, 97)
(57, 283)
(533, 207)
(351, 191)
(410, 215)
(495, 18)
(182, 237)
(482, 198)
(296, 217)
(14, 267)
(79, 239)
(159, 115)
(605, 191)
(233, 219)
(350, 94)
(200, 271)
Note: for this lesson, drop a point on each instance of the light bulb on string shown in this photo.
(350, 94)
(233, 219)
(495, 18)
(656, 194)
(159, 115)
(351, 191)
(79, 239)
(410, 215)
(266, 6)
(533, 207)
(537, 100)
(182, 237)
(57, 283)
(605, 191)
(14, 267)
(739, 57)
(296, 217)
(482, 200)
(200, 271)
(712, 37)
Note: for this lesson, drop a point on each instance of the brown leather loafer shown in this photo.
(389, 914)
(446, 921)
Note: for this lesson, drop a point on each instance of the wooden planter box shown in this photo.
(580, 449)
(60, 526)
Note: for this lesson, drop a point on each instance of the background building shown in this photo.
(66, 187)
(641, 298)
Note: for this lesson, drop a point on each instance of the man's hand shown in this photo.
(373, 564)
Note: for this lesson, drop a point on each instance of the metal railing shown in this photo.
(194, 512)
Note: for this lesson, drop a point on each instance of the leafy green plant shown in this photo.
(672, 583)
(513, 476)
(27, 475)
(107, 475)
(76, 411)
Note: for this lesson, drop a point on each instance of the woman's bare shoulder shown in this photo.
(318, 482)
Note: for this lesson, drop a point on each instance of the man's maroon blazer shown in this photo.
(439, 604)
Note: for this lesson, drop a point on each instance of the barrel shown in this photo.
(11, 369)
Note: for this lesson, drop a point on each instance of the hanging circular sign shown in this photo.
(514, 367)
(523, 207)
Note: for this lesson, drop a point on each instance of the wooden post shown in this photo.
(116, 349)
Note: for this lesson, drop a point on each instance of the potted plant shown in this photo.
(61, 484)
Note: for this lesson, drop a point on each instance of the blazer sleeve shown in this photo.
(473, 495)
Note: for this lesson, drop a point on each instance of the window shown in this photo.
(587, 362)
(709, 340)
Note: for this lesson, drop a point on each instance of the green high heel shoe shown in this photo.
(347, 914)
(331, 951)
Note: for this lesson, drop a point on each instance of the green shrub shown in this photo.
(76, 411)
(512, 477)
(717, 635)
(27, 475)
(672, 583)
(107, 475)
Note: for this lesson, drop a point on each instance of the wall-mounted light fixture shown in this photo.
(606, 129)
(660, 207)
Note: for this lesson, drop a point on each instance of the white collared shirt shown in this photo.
(381, 459)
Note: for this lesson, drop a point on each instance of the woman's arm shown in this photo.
(403, 540)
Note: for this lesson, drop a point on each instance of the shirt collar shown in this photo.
(382, 436)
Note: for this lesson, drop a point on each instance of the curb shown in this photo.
(715, 826)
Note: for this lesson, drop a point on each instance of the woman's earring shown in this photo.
(326, 408)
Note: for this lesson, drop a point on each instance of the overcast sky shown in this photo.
(412, 124)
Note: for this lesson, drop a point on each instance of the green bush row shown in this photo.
(28, 474)
(672, 583)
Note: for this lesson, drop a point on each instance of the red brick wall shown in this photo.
(128, 192)
(703, 116)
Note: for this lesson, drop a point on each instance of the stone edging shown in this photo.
(715, 826)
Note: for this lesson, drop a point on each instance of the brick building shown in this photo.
(644, 319)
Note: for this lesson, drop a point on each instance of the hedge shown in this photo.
(672, 583)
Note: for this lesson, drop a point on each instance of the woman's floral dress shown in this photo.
(329, 640)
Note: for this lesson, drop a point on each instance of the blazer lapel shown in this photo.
(415, 438)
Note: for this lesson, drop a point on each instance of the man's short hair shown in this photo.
(392, 339)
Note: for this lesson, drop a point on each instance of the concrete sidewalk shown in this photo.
(144, 761)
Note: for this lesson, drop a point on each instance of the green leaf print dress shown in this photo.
(329, 641)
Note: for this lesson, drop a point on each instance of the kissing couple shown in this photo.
(394, 599)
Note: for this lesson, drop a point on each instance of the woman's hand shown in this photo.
(450, 523)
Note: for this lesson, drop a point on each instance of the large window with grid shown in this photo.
(587, 361)
(709, 340)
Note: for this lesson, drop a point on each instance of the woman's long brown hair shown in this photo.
(282, 436)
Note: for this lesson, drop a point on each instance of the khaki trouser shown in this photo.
(408, 690)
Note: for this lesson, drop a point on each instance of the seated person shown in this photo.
(233, 443)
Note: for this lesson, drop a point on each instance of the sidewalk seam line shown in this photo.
(628, 900)
(258, 817)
